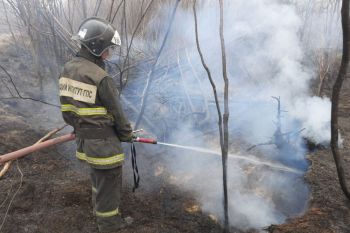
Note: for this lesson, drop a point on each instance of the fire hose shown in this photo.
(36, 147)
(70, 137)
(133, 159)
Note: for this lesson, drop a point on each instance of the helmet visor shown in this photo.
(112, 52)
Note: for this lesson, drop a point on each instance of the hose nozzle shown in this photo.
(146, 140)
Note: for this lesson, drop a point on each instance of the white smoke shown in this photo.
(265, 58)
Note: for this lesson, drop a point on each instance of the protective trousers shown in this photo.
(105, 158)
(106, 194)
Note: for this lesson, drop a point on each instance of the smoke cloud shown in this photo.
(265, 58)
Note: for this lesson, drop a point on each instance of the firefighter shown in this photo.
(90, 104)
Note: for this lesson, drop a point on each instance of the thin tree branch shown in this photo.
(212, 83)
(223, 126)
(97, 8)
(110, 11)
(19, 94)
(132, 39)
(150, 74)
(116, 12)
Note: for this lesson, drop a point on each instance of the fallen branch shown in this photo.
(273, 142)
(279, 139)
(260, 144)
(5, 168)
(50, 134)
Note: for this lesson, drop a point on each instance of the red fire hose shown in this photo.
(27, 150)
(55, 141)
(133, 159)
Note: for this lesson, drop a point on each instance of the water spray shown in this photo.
(70, 137)
(251, 160)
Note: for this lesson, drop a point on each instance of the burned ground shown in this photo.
(54, 194)
(50, 191)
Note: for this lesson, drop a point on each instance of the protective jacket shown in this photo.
(89, 103)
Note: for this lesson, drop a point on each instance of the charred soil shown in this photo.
(55, 191)
(50, 191)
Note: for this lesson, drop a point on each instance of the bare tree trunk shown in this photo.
(225, 116)
(127, 60)
(344, 69)
(223, 128)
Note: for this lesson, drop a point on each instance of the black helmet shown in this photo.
(97, 35)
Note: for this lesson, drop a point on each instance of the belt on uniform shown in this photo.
(95, 133)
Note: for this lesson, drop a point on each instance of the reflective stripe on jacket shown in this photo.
(89, 103)
(80, 103)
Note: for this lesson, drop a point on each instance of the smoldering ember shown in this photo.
(174, 116)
